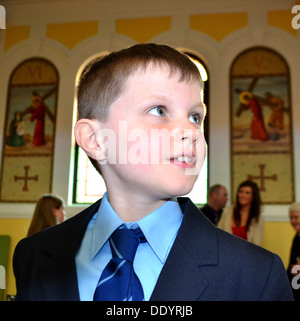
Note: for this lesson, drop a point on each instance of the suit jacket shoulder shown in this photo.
(44, 263)
(207, 263)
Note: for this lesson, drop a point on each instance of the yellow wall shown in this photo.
(16, 229)
(210, 23)
(277, 238)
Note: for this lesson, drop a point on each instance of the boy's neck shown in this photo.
(133, 209)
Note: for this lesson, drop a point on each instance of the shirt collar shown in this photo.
(159, 227)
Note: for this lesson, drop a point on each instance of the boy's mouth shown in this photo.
(184, 160)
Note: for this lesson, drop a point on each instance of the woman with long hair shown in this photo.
(49, 211)
(244, 219)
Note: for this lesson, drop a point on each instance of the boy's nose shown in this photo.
(188, 132)
(190, 135)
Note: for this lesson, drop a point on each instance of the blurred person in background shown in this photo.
(217, 199)
(244, 219)
(294, 213)
(49, 211)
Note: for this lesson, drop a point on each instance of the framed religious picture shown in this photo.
(261, 124)
(29, 131)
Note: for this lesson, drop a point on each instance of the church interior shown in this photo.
(248, 44)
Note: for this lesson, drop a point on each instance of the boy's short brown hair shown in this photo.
(104, 79)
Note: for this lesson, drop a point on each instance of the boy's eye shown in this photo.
(158, 111)
(195, 118)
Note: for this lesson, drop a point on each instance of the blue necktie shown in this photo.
(118, 281)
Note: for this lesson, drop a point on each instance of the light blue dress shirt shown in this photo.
(160, 229)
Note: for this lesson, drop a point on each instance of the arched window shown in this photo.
(29, 131)
(261, 124)
(88, 185)
(199, 193)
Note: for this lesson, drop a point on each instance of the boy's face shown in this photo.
(159, 147)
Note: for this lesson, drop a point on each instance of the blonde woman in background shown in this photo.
(49, 211)
(244, 219)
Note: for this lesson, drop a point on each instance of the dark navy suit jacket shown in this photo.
(205, 263)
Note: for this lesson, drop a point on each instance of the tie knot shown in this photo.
(124, 243)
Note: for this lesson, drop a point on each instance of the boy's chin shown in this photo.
(180, 190)
(184, 193)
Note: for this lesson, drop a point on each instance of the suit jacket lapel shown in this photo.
(181, 278)
(58, 258)
(196, 245)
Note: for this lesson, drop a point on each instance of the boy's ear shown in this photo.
(86, 137)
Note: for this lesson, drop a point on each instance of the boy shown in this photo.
(151, 95)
